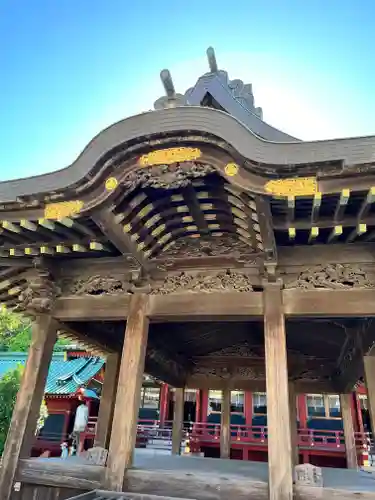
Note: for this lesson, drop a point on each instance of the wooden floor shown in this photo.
(159, 473)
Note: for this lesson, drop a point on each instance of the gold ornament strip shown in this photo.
(56, 211)
(297, 186)
(168, 156)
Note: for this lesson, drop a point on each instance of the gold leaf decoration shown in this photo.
(168, 156)
(56, 211)
(297, 186)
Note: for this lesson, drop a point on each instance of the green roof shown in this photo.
(64, 377)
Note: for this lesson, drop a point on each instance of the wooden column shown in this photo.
(225, 425)
(293, 424)
(369, 366)
(124, 427)
(178, 417)
(29, 399)
(347, 420)
(107, 401)
(280, 474)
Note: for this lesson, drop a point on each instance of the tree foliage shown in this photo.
(15, 332)
(9, 385)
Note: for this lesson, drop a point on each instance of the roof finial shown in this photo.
(212, 60)
(169, 87)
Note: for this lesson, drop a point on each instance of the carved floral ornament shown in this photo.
(333, 277)
(208, 246)
(225, 281)
(99, 285)
(167, 176)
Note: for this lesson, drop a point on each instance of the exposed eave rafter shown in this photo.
(106, 221)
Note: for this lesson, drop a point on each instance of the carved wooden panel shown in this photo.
(96, 285)
(210, 247)
(332, 276)
(167, 176)
(224, 281)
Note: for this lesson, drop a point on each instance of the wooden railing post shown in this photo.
(107, 401)
(22, 429)
(347, 420)
(278, 415)
(225, 435)
(125, 418)
(178, 417)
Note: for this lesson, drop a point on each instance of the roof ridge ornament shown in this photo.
(168, 85)
(212, 60)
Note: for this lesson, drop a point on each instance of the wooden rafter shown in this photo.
(263, 210)
(106, 221)
(192, 202)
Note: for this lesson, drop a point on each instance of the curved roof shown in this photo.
(64, 376)
(350, 151)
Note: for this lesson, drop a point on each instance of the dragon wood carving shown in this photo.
(208, 246)
(332, 276)
(225, 281)
(167, 176)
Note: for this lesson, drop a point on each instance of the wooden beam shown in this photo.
(92, 308)
(197, 307)
(366, 204)
(341, 205)
(225, 435)
(291, 208)
(29, 398)
(329, 303)
(125, 419)
(263, 210)
(315, 209)
(280, 471)
(106, 221)
(195, 209)
(107, 401)
(178, 418)
(347, 420)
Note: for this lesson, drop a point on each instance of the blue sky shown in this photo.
(72, 67)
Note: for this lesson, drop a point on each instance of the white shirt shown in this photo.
(82, 416)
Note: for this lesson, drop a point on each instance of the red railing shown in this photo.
(159, 434)
(203, 432)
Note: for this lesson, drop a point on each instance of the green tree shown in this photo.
(9, 385)
(15, 332)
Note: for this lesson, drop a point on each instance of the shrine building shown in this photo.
(202, 246)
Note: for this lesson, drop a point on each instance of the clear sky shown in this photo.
(69, 68)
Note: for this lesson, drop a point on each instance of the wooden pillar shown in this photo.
(204, 410)
(369, 365)
(280, 474)
(178, 417)
(249, 408)
(225, 436)
(293, 424)
(163, 404)
(107, 401)
(22, 429)
(198, 405)
(347, 420)
(124, 427)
